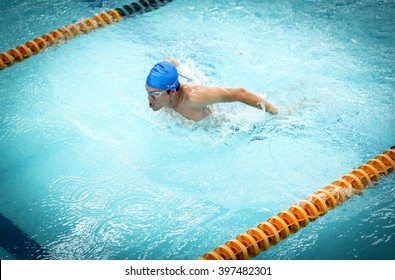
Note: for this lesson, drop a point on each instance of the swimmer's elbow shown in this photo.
(242, 94)
(238, 94)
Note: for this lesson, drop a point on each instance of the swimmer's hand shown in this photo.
(272, 109)
(177, 65)
(266, 106)
(172, 61)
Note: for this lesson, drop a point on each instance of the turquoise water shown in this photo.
(88, 171)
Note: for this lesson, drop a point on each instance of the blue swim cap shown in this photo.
(163, 75)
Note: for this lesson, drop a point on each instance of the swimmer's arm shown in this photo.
(268, 106)
(172, 61)
(216, 95)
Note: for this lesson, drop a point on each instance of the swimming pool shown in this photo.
(88, 171)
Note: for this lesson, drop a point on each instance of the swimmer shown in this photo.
(193, 101)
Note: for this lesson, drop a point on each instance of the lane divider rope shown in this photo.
(69, 31)
(260, 238)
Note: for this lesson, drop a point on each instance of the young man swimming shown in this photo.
(193, 101)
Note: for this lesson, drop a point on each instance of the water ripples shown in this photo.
(60, 118)
(96, 220)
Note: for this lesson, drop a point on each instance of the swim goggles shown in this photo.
(155, 93)
(159, 93)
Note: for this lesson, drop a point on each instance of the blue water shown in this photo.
(88, 171)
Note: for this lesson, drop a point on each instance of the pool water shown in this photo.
(88, 171)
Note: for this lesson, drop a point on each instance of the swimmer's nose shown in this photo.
(151, 100)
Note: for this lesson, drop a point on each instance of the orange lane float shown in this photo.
(69, 31)
(255, 240)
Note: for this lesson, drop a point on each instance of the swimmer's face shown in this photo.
(157, 98)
